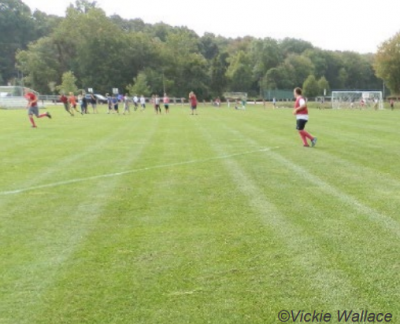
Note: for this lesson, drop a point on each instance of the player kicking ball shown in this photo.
(301, 112)
(33, 108)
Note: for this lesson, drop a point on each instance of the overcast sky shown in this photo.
(354, 25)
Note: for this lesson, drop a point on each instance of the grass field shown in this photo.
(218, 218)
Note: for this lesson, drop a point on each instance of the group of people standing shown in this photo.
(156, 101)
(114, 101)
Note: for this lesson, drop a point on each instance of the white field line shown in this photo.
(116, 174)
(71, 159)
(44, 269)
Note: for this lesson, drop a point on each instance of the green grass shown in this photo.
(218, 218)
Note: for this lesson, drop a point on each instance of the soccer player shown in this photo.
(274, 102)
(244, 104)
(84, 104)
(135, 102)
(143, 102)
(156, 101)
(126, 104)
(33, 108)
(301, 112)
(72, 102)
(166, 103)
(391, 104)
(115, 103)
(193, 102)
(64, 100)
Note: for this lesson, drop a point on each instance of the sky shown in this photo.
(344, 25)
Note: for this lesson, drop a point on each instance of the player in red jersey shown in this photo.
(33, 108)
(72, 102)
(65, 101)
(193, 102)
(301, 112)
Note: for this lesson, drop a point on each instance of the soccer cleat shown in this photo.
(306, 145)
(48, 115)
(314, 141)
(34, 126)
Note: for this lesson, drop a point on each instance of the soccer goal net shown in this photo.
(357, 99)
(236, 95)
(12, 97)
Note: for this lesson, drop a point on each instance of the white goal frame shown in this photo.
(361, 99)
(12, 97)
(235, 95)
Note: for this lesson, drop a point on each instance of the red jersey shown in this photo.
(166, 100)
(193, 100)
(304, 111)
(32, 99)
(72, 100)
(63, 99)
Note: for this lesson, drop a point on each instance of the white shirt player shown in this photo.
(302, 116)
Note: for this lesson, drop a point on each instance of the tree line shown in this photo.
(102, 52)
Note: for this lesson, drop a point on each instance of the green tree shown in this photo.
(68, 83)
(265, 54)
(334, 63)
(302, 67)
(52, 86)
(84, 6)
(387, 63)
(39, 64)
(281, 77)
(218, 75)
(318, 59)
(323, 84)
(311, 87)
(239, 72)
(17, 30)
(208, 46)
(342, 78)
(294, 46)
(44, 24)
(139, 86)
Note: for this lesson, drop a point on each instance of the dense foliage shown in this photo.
(106, 52)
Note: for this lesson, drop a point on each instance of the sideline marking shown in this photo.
(62, 183)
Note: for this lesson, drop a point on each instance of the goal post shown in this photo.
(13, 97)
(357, 99)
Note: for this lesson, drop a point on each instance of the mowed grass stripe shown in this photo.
(34, 261)
(76, 160)
(347, 221)
(316, 166)
(313, 267)
(72, 151)
(349, 175)
(187, 243)
(178, 250)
